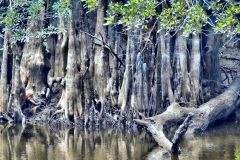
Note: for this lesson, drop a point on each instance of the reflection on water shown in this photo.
(42, 143)
(219, 143)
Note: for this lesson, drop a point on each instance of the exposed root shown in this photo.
(61, 111)
(5, 118)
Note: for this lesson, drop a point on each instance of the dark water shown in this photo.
(41, 143)
(221, 142)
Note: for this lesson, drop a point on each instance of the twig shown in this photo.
(230, 58)
(106, 46)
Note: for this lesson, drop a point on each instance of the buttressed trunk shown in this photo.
(34, 65)
(73, 105)
(101, 57)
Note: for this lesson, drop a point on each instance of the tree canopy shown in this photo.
(172, 15)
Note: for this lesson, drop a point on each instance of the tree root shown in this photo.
(61, 111)
(6, 118)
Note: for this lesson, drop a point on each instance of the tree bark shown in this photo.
(73, 105)
(166, 70)
(182, 83)
(61, 51)
(4, 72)
(124, 91)
(101, 56)
(211, 62)
(195, 69)
(35, 65)
(113, 82)
(17, 99)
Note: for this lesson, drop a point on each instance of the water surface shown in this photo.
(42, 143)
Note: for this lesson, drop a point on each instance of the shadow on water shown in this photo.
(42, 143)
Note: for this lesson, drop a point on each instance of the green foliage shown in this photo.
(180, 16)
(20, 34)
(21, 11)
(46, 32)
(173, 15)
(91, 4)
(16, 16)
(10, 17)
(21, 1)
(63, 8)
(228, 21)
(196, 19)
(134, 13)
(237, 153)
(35, 8)
(177, 16)
(188, 16)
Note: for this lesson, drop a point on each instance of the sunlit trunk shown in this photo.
(124, 91)
(73, 105)
(35, 65)
(4, 74)
(195, 67)
(101, 56)
(181, 79)
(17, 97)
(61, 51)
(166, 70)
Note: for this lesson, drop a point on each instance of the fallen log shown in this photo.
(218, 108)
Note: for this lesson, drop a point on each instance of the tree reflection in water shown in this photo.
(42, 143)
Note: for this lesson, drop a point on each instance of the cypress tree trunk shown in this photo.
(211, 61)
(181, 79)
(166, 70)
(35, 65)
(17, 98)
(195, 69)
(87, 57)
(4, 72)
(73, 105)
(156, 88)
(112, 87)
(124, 91)
(101, 56)
(61, 51)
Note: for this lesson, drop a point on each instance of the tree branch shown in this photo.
(106, 46)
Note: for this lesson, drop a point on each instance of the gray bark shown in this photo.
(4, 73)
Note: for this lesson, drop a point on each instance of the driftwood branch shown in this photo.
(182, 129)
(218, 108)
